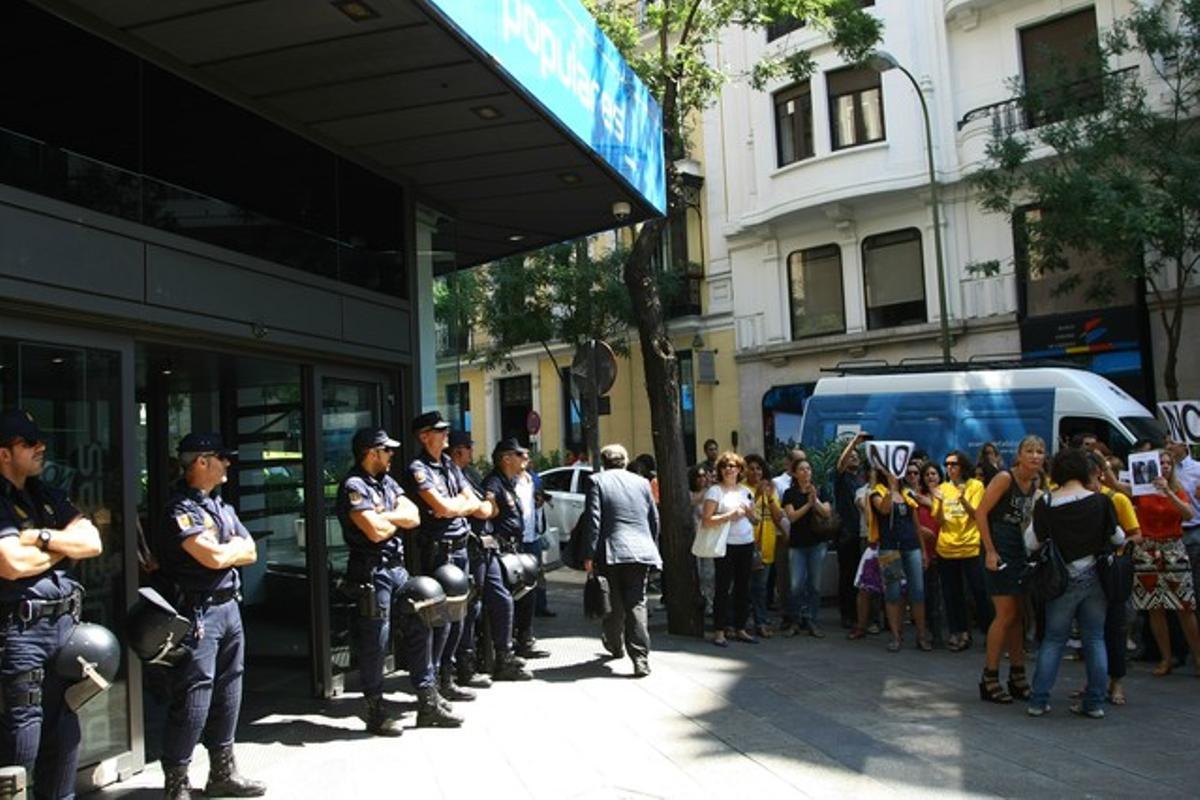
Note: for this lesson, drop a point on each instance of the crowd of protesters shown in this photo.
(951, 547)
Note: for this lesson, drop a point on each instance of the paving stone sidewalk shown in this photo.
(797, 717)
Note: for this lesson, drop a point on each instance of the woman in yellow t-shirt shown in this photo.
(959, 564)
(766, 532)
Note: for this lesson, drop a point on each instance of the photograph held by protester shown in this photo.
(41, 533)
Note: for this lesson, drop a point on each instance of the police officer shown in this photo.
(528, 490)
(493, 595)
(40, 533)
(446, 502)
(200, 544)
(373, 510)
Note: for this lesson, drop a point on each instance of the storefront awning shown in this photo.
(517, 118)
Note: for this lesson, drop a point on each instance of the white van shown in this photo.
(961, 410)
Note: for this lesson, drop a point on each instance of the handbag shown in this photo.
(710, 541)
(597, 602)
(1047, 575)
(1115, 571)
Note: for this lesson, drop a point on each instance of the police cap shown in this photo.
(205, 443)
(510, 445)
(369, 438)
(430, 420)
(461, 439)
(17, 423)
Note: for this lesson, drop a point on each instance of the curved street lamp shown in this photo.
(882, 61)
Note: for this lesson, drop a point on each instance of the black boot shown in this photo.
(431, 713)
(451, 691)
(529, 649)
(509, 669)
(176, 785)
(467, 676)
(379, 721)
(224, 780)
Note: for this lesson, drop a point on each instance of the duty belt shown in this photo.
(34, 609)
(450, 545)
(215, 598)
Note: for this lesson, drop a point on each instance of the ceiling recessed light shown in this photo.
(516, 237)
(486, 112)
(356, 10)
(57, 360)
(569, 178)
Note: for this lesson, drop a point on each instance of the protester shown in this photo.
(711, 450)
(802, 504)
(1080, 523)
(894, 515)
(1162, 573)
(927, 527)
(958, 549)
(846, 481)
(728, 501)
(1187, 472)
(769, 513)
(1002, 516)
(698, 482)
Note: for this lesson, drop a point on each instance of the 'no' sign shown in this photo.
(891, 457)
(1183, 420)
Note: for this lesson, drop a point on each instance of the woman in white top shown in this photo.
(727, 501)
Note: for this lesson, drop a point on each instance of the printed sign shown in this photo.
(1183, 420)
(1144, 470)
(891, 457)
(557, 53)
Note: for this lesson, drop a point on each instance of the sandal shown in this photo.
(990, 689)
(1163, 669)
(1117, 696)
(720, 641)
(1018, 686)
(745, 636)
(894, 646)
(856, 633)
(954, 644)
(764, 632)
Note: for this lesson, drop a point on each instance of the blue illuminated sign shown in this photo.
(555, 50)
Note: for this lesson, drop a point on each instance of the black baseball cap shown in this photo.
(205, 443)
(509, 445)
(17, 423)
(369, 438)
(429, 420)
(461, 439)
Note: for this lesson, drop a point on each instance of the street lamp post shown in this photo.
(882, 61)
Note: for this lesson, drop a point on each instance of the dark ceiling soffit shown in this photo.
(283, 48)
(395, 73)
(72, 14)
(520, 91)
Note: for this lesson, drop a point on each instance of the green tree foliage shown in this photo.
(1115, 164)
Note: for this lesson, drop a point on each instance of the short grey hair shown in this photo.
(613, 456)
(186, 460)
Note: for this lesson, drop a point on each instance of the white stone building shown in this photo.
(821, 231)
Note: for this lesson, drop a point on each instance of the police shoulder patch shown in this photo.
(184, 521)
(420, 476)
(356, 497)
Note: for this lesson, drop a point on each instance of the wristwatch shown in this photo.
(43, 541)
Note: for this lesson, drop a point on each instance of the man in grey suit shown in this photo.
(622, 539)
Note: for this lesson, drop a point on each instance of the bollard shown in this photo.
(12, 783)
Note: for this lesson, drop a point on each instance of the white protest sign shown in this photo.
(891, 457)
(1144, 470)
(1183, 420)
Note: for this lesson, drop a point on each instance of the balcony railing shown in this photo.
(1034, 109)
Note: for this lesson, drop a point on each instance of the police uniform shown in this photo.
(37, 616)
(443, 540)
(206, 686)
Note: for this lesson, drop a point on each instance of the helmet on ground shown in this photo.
(94, 644)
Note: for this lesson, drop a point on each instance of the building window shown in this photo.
(1080, 281)
(458, 401)
(855, 106)
(793, 124)
(894, 276)
(786, 23)
(815, 283)
(1062, 68)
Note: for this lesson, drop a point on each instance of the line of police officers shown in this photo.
(447, 525)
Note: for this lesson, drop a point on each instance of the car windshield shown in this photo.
(1145, 428)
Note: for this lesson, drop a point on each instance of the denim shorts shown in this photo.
(902, 569)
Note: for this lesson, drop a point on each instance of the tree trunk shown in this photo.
(1170, 367)
(684, 606)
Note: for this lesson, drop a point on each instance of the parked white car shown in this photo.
(566, 488)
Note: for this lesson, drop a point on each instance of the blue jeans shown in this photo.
(758, 595)
(1084, 600)
(909, 568)
(804, 598)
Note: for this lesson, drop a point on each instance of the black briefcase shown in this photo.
(596, 600)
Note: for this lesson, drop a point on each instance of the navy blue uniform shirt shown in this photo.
(445, 479)
(36, 506)
(509, 522)
(361, 491)
(189, 513)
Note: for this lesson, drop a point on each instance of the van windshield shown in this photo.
(1145, 428)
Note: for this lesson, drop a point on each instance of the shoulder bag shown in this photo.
(1046, 573)
(710, 541)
